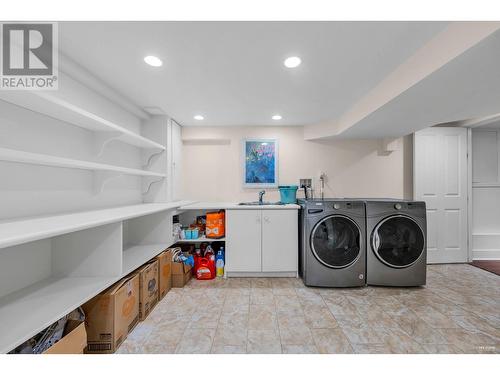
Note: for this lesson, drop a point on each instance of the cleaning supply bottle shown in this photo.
(205, 265)
(219, 262)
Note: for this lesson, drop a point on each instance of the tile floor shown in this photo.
(457, 312)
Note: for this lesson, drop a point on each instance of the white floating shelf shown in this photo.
(50, 105)
(202, 239)
(28, 311)
(35, 228)
(135, 256)
(24, 157)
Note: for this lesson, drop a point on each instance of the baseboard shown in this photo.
(486, 254)
(486, 246)
(261, 274)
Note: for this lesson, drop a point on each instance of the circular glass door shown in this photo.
(398, 241)
(335, 241)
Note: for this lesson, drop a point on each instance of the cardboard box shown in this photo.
(181, 273)
(74, 340)
(112, 315)
(164, 272)
(148, 288)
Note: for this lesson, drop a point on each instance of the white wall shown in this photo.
(486, 194)
(355, 168)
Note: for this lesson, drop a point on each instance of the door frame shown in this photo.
(469, 186)
(469, 194)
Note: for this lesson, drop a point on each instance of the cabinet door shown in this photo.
(280, 241)
(243, 240)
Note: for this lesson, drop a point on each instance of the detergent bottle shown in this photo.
(205, 268)
(219, 262)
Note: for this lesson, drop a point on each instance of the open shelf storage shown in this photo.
(24, 157)
(42, 281)
(202, 239)
(51, 265)
(34, 228)
(50, 105)
(27, 311)
(135, 256)
(145, 237)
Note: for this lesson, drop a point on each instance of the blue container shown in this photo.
(288, 193)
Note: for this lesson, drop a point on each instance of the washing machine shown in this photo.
(396, 243)
(332, 243)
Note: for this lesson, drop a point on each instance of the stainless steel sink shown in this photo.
(259, 203)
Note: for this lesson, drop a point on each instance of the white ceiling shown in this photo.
(493, 125)
(467, 87)
(232, 72)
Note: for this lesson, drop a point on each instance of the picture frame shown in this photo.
(260, 163)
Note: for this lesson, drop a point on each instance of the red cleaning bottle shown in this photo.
(205, 266)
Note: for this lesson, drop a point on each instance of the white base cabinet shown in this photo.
(261, 241)
(243, 241)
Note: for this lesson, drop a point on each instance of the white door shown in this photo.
(279, 241)
(440, 179)
(243, 241)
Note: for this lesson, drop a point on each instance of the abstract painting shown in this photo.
(260, 163)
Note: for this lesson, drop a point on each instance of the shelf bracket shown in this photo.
(149, 181)
(101, 140)
(101, 178)
(149, 155)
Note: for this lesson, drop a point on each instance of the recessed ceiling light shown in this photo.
(153, 61)
(292, 62)
(277, 117)
(198, 117)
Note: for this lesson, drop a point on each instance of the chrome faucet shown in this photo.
(261, 195)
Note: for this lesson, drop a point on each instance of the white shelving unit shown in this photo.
(30, 229)
(67, 259)
(27, 311)
(52, 264)
(50, 105)
(102, 172)
(135, 256)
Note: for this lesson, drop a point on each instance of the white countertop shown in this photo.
(236, 206)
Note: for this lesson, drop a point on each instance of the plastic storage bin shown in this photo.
(288, 193)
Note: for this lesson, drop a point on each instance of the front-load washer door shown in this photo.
(398, 241)
(335, 241)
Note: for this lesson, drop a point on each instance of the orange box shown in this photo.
(216, 224)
